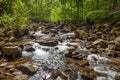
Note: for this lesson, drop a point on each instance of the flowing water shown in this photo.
(53, 59)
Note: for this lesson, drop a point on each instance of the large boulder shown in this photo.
(27, 68)
(12, 51)
(48, 42)
(81, 34)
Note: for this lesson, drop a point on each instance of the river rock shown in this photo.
(29, 48)
(1, 55)
(27, 68)
(67, 54)
(92, 37)
(102, 43)
(2, 34)
(83, 63)
(21, 77)
(81, 54)
(114, 45)
(71, 49)
(1, 39)
(117, 77)
(26, 31)
(18, 32)
(89, 74)
(3, 64)
(57, 74)
(112, 53)
(12, 39)
(2, 76)
(53, 31)
(12, 51)
(48, 42)
(68, 28)
(45, 31)
(117, 46)
(10, 33)
(81, 34)
(93, 50)
(117, 39)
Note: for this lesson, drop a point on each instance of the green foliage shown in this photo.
(17, 12)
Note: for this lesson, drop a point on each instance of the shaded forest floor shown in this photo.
(64, 50)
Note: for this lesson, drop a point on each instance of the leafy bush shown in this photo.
(15, 13)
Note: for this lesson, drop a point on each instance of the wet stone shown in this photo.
(102, 43)
(3, 64)
(81, 54)
(27, 68)
(29, 48)
(117, 39)
(12, 52)
(56, 74)
(117, 46)
(68, 28)
(93, 50)
(21, 77)
(117, 77)
(12, 39)
(71, 49)
(81, 34)
(9, 67)
(2, 76)
(112, 53)
(83, 63)
(48, 42)
(67, 54)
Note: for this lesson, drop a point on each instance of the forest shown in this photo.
(59, 39)
(18, 12)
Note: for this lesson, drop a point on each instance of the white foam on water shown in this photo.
(40, 52)
(101, 78)
(102, 68)
(39, 33)
(106, 69)
(59, 78)
(25, 53)
(62, 46)
(64, 36)
(98, 57)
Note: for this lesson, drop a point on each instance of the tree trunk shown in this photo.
(114, 4)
